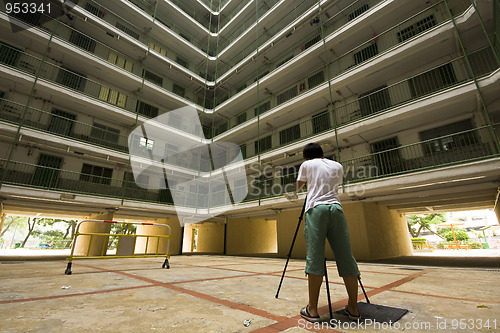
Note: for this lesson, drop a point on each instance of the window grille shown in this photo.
(287, 95)
(290, 134)
(127, 30)
(263, 144)
(358, 12)
(152, 77)
(433, 80)
(82, 41)
(316, 79)
(96, 174)
(417, 28)
(146, 109)
(366, 53)
(374, 101)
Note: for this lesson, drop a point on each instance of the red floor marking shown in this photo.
(71, 295)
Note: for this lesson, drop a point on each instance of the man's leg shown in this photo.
(351, 285)
(314, 284)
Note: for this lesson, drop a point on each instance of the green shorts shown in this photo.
(328, 221)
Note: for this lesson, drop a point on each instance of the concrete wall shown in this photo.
(376, 232)
(210, 237)
(251, 236)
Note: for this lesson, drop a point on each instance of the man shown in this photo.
(325, 219)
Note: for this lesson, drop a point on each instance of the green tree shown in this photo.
(12, 222)
(418, 222)
(55, 234)
(460, 234)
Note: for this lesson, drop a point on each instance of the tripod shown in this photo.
(326, 271)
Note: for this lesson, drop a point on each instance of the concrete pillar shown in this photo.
(251, 236)
(98, 245)
(154, 230)
(377, 232)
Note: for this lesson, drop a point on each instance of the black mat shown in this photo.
(378, 313)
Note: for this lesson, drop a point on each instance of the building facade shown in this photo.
(405, 94)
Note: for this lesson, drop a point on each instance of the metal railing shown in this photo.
(458, 148)
(56, 123)
(439, 78)
(356, 57)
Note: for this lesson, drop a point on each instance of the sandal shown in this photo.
(307, 316)
(350, 315)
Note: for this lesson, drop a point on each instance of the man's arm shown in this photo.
(300, 185)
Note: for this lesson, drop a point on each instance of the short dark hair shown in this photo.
(312, 150)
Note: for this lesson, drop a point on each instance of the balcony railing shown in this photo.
(63, 124)
(454, 149)
(440, 78)
(387, 40)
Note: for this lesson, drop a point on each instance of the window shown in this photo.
(262, 108)
(9, 54)
(47, 171)
(433, 80)
(290, 134)
(321, 122)
(61, 122)
(374, 101)
(178, 90)
(152, 77)
(366, 53)
(71, 79)
(358, 12)
(445, 138)
(120, 61)
(104, 133)
(127, 30)
(112, 96)
(221, 128)
(312, 42)
(82, 41)
(287, 95)
(157, 48)
(146, 109)
(96, 174)
(182, 62)
(146, 143)
(387, 156)
(261, 76)
(241, 118)
(94, 10)
(316, 79)
(263, 144)
(416, 28)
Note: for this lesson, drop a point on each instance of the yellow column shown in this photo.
(95, 245)
(155, 230)
(376, 232)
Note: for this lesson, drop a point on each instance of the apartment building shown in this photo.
(405, 94)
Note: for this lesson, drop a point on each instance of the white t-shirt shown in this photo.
(322, 177)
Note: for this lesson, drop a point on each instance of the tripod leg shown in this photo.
(291, 248)
(328, 291)
(362, 288)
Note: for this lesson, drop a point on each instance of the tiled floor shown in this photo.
(221, 294)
